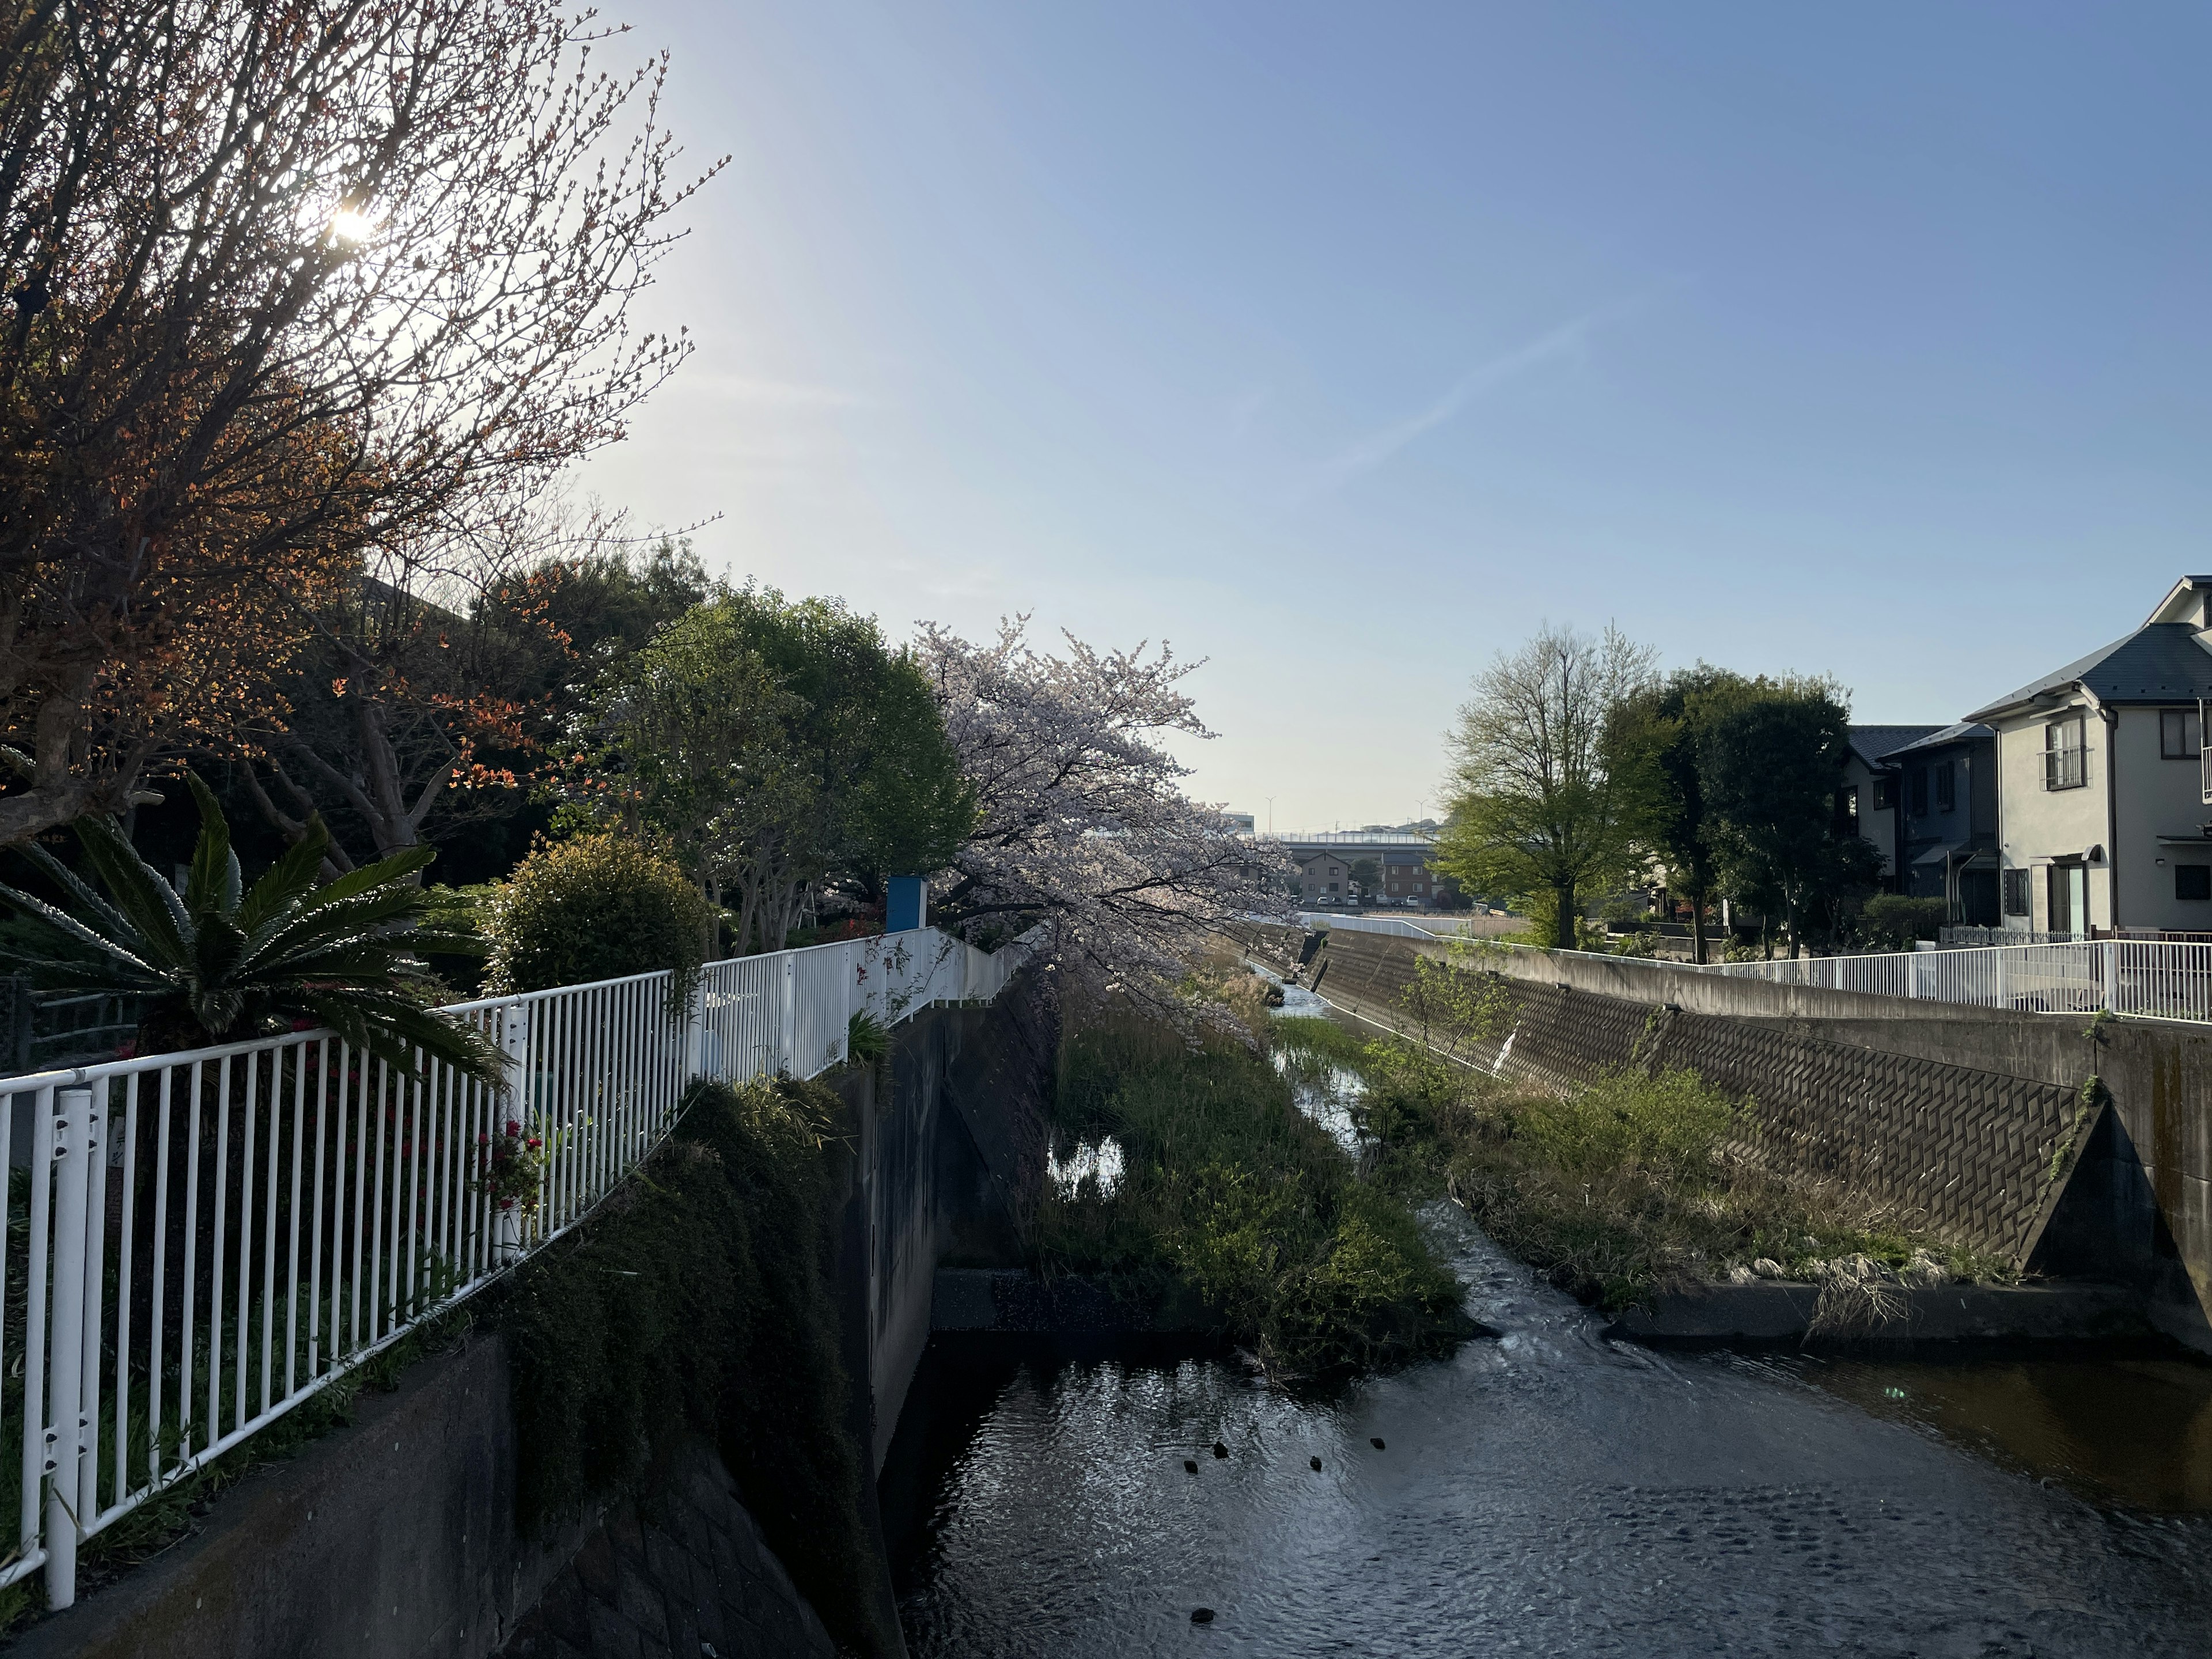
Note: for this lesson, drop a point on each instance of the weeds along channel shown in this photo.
(1230, 1201)
(1630, 1184)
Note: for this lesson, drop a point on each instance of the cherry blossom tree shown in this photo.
(1083, 830)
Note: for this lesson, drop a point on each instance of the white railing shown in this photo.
(2158, 979)
(2153, 978)
(191, 1244)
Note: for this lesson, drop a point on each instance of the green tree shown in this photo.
(1543, 802)
(782, 747)
(1366, 876)
(1771, 756)
(1654, 741)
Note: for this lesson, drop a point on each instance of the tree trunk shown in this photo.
(1698, 927)
(1563, 929)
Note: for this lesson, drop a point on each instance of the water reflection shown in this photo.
(2136, 1432)
(1101, 1163)
(1549, 1492)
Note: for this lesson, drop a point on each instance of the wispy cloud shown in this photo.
(1565, 341)
(780, 394)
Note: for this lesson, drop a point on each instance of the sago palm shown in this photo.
(220, 962)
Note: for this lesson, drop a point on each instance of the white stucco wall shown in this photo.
(2155, 797)
(2040, 824)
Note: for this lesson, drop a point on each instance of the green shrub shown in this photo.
(1891, 921)
(866, 1042)
(1671, 1126)
(1229, 1190)
(598, 907)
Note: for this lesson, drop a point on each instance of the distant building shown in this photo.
(1403, 856)
(1239, 822)
(1323, 878)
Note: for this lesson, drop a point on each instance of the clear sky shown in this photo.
(1343, 345)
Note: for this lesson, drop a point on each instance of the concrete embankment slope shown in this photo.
(1975, 1120)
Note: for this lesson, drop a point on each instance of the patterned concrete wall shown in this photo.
(1969, 1154)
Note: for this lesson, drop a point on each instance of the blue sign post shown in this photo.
(906, 904)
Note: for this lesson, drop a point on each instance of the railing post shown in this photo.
(514, 1043)
(694, 1030)
(789, 1033)
(65, 1424)
(2112, 975)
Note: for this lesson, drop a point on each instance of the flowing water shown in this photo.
(1551, 1492)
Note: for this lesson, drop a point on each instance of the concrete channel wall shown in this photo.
(1975, 1119)
(397, 1535)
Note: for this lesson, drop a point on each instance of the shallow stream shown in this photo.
(1550, 1492)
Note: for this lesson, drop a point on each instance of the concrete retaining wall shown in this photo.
(396, 1539)
(1973, 1117)
(396, 1536)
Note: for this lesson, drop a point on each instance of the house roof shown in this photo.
(1956, 732)
(2160, 662)
(1871, 743)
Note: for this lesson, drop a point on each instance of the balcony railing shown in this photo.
(2065, 768)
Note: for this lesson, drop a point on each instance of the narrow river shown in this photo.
(1552, 1492)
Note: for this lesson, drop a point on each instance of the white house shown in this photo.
(2102, 806)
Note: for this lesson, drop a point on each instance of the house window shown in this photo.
(1917, 780)
(2065, 758)
(2192, 881)
(1847, 809)
(2015, 893)
(1947, 787)
(2178, 738)
(1885, 795)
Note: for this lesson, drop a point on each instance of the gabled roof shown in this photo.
(1952, 733)
(1871, 743)
(2160, 662)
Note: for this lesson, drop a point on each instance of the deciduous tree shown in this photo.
(1083, 830)
(1541, 802)
(295, 291)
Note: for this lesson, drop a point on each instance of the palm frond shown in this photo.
(284, 883)
(91, 900)
(214, 884)
(96, 946)
(146, 902)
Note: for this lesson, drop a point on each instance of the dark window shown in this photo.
(1885, 795)
(2192, 881)
(2178, 738)
(1918, 779)
(2015, 893)
(2065, 758)
(1847, 809)
(1947, 787)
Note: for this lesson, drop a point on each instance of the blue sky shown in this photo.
(1343, 346)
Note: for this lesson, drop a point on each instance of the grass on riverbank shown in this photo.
(1626, 1187)
(1231, 1194)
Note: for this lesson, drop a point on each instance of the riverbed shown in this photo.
(1547, 1492)
(1550, 1492)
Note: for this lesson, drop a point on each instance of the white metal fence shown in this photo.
(194, 1243)
(2158, 979)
